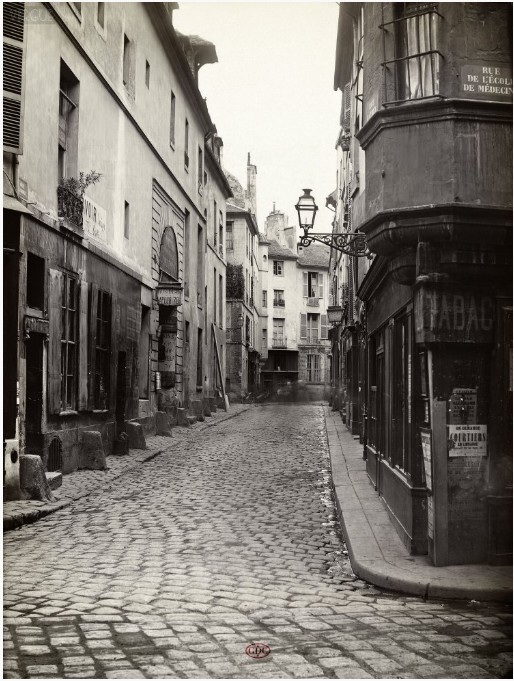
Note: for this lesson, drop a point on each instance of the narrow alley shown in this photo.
(228, 538)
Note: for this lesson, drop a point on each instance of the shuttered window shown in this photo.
(324, 326)
(13, 80)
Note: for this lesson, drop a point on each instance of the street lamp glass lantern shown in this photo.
(307, 209)
(335, 314)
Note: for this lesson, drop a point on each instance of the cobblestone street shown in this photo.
(229, 537)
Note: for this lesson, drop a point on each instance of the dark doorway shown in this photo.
(34, 394)
(121, 391)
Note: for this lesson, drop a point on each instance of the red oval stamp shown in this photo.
(257, 650)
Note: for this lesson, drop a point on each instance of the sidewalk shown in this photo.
(377, 553)
(81, 483)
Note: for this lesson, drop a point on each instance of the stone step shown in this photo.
(54, 479)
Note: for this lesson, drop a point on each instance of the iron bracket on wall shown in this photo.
(351, 243)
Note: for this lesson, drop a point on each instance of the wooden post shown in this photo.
(218, 364)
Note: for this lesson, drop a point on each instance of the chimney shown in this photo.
(251, 185)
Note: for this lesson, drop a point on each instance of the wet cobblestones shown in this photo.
(228, 537)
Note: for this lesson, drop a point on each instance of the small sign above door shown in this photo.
(169, 295)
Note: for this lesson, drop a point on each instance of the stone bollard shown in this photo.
(121, 445)
(33, 482)
(212, 402)
(162, 424)
(136, 436)
(91, 454)
(172, 415)
(196, 408)
(206, 406)
(182, 417)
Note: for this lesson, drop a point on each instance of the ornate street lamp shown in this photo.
(351, 243)
(335, 314)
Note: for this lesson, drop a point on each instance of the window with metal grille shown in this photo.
(411, 58)
(69, 342)
(102, 350)
(230, 235)
(313, 369)
(54, 461)
(278, 298)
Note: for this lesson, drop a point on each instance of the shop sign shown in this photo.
(467, 440)
(166, 295)
(94, 220)
(426, 448)
(486, 81)
(450, 317)
(36, 325)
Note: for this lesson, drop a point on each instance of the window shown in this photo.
(68, 122)
(313, 327)
(126, 61)
(221, 232)
(220, 296)
(172, 119)
(278, 298)
(376, 417)
(147, 75)
(230, 235)
(69, 345)
(313, 369)
(126, 225)
(214, 301)
(199, 357)
(145, 341)
(415, 59)
(278, 268)
(102, 350)
(187, 240)
(100, 14)
(264, 299)
(200, 168)
(199, 265)
(402, 393)
(312, 285)
(186, 144)
(214, 225)
(35, 282)
(264, 339)
(14, 86)
(279, 339)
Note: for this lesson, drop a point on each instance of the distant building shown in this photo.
(297, 300)
(423, 358)
(114, 289)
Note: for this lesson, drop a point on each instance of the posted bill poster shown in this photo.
(467, 440)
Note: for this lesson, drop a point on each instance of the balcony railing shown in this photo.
(279, 303)
(311, 338)
(70, 207)
(313, 302)
(279, 342)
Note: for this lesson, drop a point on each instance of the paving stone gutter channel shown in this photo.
(84, 482)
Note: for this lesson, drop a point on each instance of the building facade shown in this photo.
(425, 152)
(110, 212)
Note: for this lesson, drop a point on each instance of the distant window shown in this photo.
(147, 75)
(100, 13)
(35, 282)
(126, 226)
(278, 298)
(200, 167)
(172, 119)
(103, 350)
(186, 144)
(278, 268)
(230, 235)
(126, 61)
(264, 299)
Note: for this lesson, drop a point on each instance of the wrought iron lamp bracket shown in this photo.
(351, 243)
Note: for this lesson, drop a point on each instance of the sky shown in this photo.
(271, 94)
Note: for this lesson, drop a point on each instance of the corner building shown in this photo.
(118, 291)
(427, 92)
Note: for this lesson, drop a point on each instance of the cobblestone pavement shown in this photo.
(227, 538)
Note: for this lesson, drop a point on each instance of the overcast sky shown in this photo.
(271, 94)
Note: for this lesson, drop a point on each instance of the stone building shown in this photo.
(296, 293)
(423, 357)
(114, 197)
(242, 300)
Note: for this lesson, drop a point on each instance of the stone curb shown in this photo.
(14, 521)
(386, 574)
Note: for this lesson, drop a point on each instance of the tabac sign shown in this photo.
(445, 316)
(169, 294)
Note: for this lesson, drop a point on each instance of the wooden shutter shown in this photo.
(303, 326)
(83, 347)
(14, 70)
(55, 285)
(324, 333)
(305, 285)
(93, 302)
(113, 353)
(320, 285)
(346, 108)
